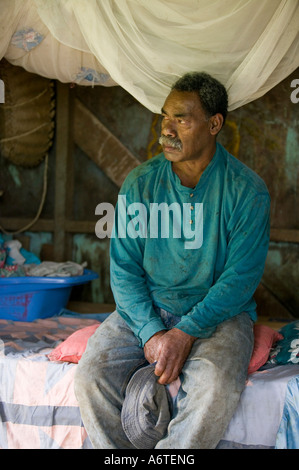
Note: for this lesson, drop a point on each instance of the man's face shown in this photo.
(185, 129)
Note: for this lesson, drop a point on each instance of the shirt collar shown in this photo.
(204, 177)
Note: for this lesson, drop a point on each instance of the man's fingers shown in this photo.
(151, 347)
(168, 376)
(167, 371)
(173, 350)
(160, 366)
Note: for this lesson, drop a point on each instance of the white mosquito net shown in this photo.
(145, 45)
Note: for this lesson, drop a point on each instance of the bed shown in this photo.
(39, 409)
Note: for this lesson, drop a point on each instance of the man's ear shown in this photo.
(216, 123)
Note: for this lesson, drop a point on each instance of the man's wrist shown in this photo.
(155, 335)
(185, 335)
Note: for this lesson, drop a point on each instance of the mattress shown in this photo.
(39, 410)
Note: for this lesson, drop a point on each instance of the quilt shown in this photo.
(38, 406)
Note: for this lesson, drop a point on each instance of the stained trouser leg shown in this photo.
(111, 356)
(214, 377)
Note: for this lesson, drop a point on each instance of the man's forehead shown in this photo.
(182, 103)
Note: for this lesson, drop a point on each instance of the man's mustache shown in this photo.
(171, 142)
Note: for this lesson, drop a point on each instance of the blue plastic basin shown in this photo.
(30, 297)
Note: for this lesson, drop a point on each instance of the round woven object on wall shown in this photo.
(26, 116)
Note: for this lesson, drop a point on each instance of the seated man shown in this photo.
(183, 282)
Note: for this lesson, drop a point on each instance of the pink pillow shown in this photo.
(264, 339)
(73, 347)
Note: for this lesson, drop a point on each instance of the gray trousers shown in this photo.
(213, 379)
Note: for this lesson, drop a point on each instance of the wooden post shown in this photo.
(63, 170)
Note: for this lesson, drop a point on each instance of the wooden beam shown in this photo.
(80, 226)
(101, 146)
(45, 225)
(88, 226)
(63, 145)
(14, 223)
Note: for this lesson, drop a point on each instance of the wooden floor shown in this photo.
(275, 323)
(89, 307)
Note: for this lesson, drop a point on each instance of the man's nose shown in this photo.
(169, 128)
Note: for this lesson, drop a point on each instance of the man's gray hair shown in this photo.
(212, 94)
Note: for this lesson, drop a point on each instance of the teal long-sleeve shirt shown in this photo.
(197, 253)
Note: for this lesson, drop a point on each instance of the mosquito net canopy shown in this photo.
(144, 46)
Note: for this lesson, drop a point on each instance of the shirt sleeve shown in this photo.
(128, 284)
(247, 247)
